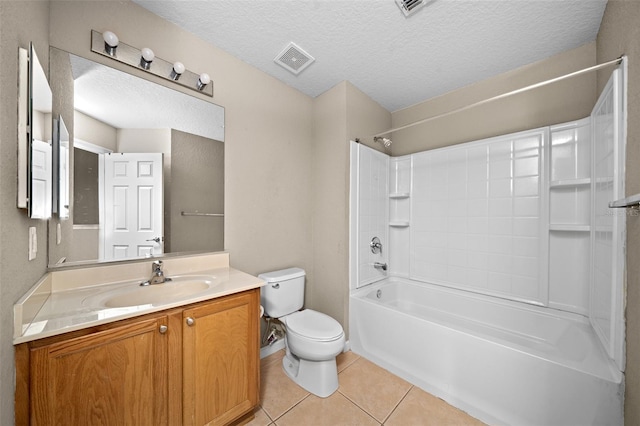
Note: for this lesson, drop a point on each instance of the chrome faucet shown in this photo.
(157, 275)
(379, 265)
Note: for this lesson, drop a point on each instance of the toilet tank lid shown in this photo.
(282, 275)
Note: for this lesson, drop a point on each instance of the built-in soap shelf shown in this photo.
(400, 192)
(568, 183)
(570, 180)
(399, 195)
(399, 223)
(569, 228)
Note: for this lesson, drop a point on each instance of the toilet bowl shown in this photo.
(312, 342)
(312, 339)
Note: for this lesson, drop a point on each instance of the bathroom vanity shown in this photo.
(187, 359)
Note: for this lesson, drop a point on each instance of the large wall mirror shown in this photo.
(147, 169)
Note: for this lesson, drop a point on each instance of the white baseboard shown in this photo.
(268, 350)
(347, 346)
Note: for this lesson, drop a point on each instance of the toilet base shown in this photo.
(318, 377)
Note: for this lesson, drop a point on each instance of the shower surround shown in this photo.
(504, 293)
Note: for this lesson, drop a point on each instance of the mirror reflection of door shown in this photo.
(133, 224)
(40, 179)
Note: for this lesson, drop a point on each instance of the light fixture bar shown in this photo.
(131, 56)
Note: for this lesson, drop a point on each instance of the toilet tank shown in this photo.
(284, 292)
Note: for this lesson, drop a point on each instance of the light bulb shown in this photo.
(178, 67)
(146, 58)
(110, 38)
(203, 80)
(176, 72)
(110, 42)
(147, 54)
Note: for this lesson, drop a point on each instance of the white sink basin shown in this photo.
(178, 289)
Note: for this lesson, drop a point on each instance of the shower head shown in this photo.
(384, 141)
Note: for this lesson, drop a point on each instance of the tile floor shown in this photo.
(368, 395)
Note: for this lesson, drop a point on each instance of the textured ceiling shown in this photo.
(397, 61)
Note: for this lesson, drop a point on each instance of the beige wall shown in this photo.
(564, 101)
(329, 168)
(620, 34)
(20, 23)
(144, 140)
(339, 115)
(197, 184)
(88, 129)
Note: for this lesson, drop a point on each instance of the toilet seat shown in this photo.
(314, 325)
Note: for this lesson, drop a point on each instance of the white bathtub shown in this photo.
(502, 362)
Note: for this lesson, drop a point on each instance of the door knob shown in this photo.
(163, 329)
(190, 321)
(156, 240)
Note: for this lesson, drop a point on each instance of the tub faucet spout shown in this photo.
(379, 265)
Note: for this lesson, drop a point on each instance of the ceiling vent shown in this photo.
(409, 7)
(294, 59)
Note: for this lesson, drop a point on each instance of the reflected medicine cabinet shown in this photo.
(35, 179)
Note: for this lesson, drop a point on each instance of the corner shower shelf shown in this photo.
(569, 228)
(399, 223)
(632, 201)
(399, 195)
(569, 183)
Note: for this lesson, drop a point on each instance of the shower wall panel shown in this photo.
(479, 217)
(373, 213)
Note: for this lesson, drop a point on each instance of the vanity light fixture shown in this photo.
(177, 70)
(146, 58)
(105, 44)
(110, 42)
(203, 80)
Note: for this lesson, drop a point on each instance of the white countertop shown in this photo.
(48, 311)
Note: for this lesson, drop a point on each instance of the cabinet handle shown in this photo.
(163, 329)
(190, 321)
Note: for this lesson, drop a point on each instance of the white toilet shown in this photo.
(312, 340)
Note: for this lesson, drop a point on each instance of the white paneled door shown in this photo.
(133, 216)
(40, 201)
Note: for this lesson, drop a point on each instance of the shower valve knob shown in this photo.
(376, 245)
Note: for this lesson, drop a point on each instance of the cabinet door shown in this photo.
(112, 377)
(220, 359)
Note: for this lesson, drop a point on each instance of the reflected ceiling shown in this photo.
(100, 91)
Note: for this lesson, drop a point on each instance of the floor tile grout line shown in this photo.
(358, 405)
(398, 404)
(265, 413)
(289, 409)
(350, 364)
(362, 409)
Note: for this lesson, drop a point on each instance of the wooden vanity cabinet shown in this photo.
(220, 360)
(193, 365)
(114, 376)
